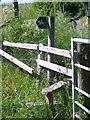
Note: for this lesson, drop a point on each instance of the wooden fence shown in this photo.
(51, 66)
(40, 47)
(41, 63)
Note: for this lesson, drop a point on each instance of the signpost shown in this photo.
(42, 23)
(48, 23)
(50, 73)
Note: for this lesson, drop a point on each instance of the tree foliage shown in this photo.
(46, 8)
(70, 8)
(74, 8)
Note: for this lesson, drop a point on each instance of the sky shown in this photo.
(19, 1)
(29, 1)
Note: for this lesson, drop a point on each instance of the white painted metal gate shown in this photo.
(74, 78)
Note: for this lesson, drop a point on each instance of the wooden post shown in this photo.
(38, 67)
(50, 74)
(15, 7)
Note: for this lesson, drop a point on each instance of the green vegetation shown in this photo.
(18, 87)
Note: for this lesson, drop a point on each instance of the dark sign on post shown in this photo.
(42, 22)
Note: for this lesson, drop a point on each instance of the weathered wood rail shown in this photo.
(20, 45)
(16, 61)
(50, 90)
(56, 51)
(40, 47)
(55, 67)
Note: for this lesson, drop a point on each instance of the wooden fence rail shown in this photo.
(16, 61)
(57, 51)
(55, 67)
(40, 47)
(20, 45)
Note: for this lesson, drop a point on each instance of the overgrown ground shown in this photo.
(18, 87)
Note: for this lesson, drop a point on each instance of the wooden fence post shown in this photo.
(15, 7)
(50, 74)
(38, 66)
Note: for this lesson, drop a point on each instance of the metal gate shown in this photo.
(75, 89)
